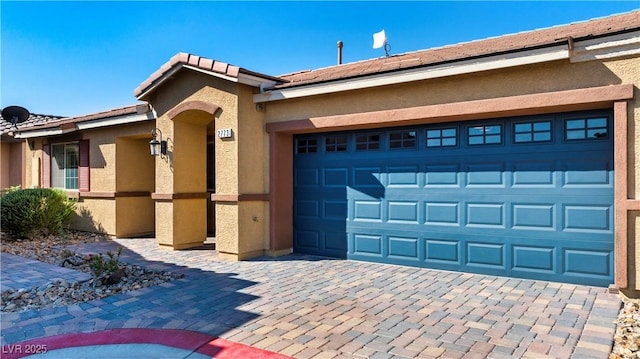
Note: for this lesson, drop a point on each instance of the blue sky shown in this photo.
(73, 58)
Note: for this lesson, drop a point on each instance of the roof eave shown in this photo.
(68, 127)
(613, 45)
(245, 77)
(462, 66)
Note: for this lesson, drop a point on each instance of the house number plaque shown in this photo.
(225, 133)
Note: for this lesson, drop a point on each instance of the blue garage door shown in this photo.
(528, 197)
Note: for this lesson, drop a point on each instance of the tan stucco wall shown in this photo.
(5, 160)
(11, 164)
(135, 167)
(135, 216)
(95, 215)
(32, 164)
(554, 76)
(252, 141)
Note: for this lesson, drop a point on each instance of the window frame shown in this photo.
(533, 131)
(54, 174)
(442, 137)
(371, 145)
(585, 129)
(332, 144)
(411, 136)
(307, 145)
(484, 135)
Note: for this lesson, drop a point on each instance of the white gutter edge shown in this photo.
(558, 52)
(113, 121)
(607, 48)
(40, 133)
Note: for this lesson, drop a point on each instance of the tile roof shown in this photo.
(503, 44)
(33, 121)
(196, 61)
(36, 122)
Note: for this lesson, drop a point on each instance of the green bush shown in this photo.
(27, 212)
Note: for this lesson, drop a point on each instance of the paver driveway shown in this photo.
(313, 307)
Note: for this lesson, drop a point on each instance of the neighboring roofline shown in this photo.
(208, 66)
(617, 44)
(114, 117)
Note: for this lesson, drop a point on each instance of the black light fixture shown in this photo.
(157, 147)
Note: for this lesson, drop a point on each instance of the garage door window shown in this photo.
(336, 143)
(532, 132)
(402, 139)
(307, 145)
(481, 135)
(445, 137)
(367, 142)
(586, 129)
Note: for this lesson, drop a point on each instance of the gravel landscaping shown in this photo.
(54, 250)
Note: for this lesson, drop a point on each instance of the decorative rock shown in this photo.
(58, 293)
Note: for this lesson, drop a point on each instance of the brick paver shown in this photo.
(30, 273)
(314, 307)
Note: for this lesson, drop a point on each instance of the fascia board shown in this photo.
(246, 79)
(159, 81)
(113, 121)
(40, 133)
(528, 57)
(619, 45)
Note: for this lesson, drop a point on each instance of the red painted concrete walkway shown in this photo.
(135, 343)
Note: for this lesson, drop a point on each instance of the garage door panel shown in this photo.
(481, 175)
(306, 177)
(443, 251)
(336, 177)
(442, 213)
(402, 212)
(445, 175)
(588, 218)
(531, 210)
(582, 263)
(485, 215)
(487, 255)
(368, 244)
(534, 259)
(403, 248)
(532, 216)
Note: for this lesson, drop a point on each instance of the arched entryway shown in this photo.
(182, 195)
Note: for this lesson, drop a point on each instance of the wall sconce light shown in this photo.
(156, 146)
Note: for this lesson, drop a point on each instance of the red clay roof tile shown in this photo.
(182, 58)
(479, 48)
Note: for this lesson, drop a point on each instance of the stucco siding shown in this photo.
(134, 216)
(5, 160)
(251, 145)
(95, 215)
(522, 80)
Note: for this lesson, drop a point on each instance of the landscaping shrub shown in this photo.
(27, 212)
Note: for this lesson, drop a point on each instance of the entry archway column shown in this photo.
(181, 189)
